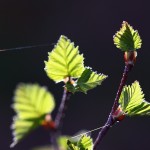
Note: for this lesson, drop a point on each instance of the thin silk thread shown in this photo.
(88, 131)
(25, 47)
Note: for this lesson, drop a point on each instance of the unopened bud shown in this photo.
(130, 57)
(48, 123)
(119, 115)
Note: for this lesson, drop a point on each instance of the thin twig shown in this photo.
(111, 120)
(59, 118)
(61, 111)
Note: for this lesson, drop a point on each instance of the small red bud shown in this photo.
(119, 115)
(130, 57)
(48, 123)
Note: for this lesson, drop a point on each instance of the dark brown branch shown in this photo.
(111, 120)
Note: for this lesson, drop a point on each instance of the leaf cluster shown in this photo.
(33, 103)
(65, 63)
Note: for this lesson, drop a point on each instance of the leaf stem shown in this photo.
(110, 121)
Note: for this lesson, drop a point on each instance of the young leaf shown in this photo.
(62, 142)
(64, 61)
(72, 146)
(127, 39)
(89, 80)
(31, 103)
(132, 101)
(85, 143)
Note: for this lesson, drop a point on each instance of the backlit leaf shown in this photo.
(62, 142)
(132, 101)
(127, 39)
(85, 143)
(64, 61)
(89, 80)
(31, 103)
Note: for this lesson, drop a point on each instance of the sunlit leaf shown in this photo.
(132, 101)
(72, 146)
(62, 142)
(64, 61)
(127, 39)
(85, 143)
(89, 80)
(31, 103)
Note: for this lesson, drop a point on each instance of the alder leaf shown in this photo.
(85, 143)
(31, 103)
(132, 101)
(64, 61)
(127, 39)
(89, 80)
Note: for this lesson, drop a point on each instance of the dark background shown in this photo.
(91, 25)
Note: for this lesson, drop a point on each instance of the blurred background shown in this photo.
(91, 25)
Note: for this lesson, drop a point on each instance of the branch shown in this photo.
(61, 111)
(111, 120)
(59, 118)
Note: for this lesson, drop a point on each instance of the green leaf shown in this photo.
(72, 146)
(132, 101)
(127, 39)
(64, 61)
(89, 80)
(31, 103)
(62, 142)
(85, 143)
(70, 87)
